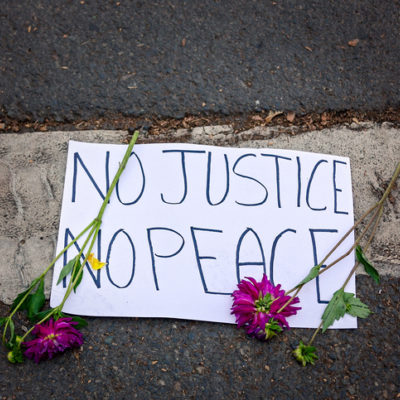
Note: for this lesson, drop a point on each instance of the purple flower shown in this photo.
(256, 306)
(53, 337)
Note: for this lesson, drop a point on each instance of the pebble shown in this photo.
(108, 340)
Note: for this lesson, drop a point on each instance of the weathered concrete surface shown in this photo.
(32, 168)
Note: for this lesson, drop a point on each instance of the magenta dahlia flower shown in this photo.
(52, 337)
(256, 306)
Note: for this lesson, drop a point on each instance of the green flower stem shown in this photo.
(50, 266)
(361, 219)
(9, 318)
(375, 227)
(358, 222)
(365, 247)
(356, 243)
(355, 265)
(291, 299)
(98, 219)
(118, 174)
(375, 217)
(315, 333)
(348, 252)
(391, 183)
(91, 225)
(71, 281)
(53, 311)
(94, 227)
(5, 330)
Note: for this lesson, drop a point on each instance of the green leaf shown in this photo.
(340, 304)
(369, 269)
(3, 321)
(40, 315)
(82, 323)
(335, 310)
(75, 274)
(356, 307)
(311, 275)
(36, 301)
(12, 331)
(20, 296)
(66, 269)
(18, 299)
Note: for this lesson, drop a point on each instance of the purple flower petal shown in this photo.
(52, 337)
(255, 303)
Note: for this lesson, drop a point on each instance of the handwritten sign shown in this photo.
(187, 222)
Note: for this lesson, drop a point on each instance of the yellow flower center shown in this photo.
(52, 336)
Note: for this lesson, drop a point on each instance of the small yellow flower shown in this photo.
(94, 262)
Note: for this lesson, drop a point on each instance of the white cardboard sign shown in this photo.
(186, 222)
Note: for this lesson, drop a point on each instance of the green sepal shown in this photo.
(311, 275)
(75, 274)
(58, 314)
(15, 355)
(368, 267)
(36, 301)
(335, 309)
(305, 354)
(272, 328)
(66, 269)
(82, 323)
(18, 299)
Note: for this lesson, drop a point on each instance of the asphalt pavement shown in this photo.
(84, 59)
(125, 358)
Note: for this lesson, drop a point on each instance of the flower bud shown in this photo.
(272, 328)
(305, 354)
(15, 355)
(10, 357)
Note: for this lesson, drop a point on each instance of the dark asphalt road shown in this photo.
(82, 59)
(125, 358)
